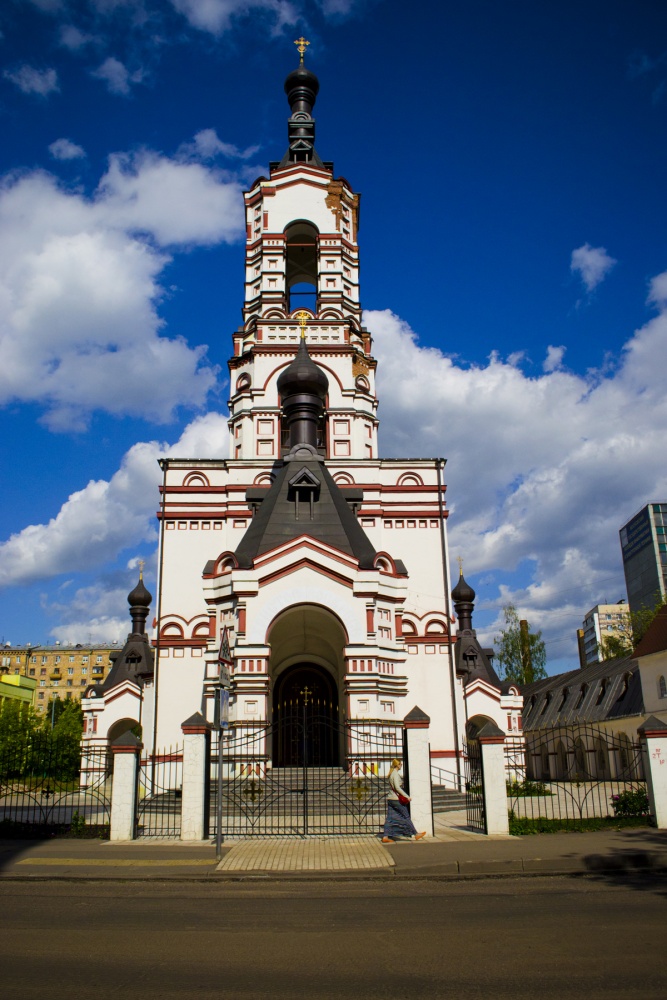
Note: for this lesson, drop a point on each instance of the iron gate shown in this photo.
(159, 794)
(308, 797)
(579, 777)
(48, 789)
(474, 786)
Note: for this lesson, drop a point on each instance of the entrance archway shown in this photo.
(306, 665)
(305, 718)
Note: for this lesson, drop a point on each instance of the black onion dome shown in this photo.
(302, 88)
(463, 591)
(303, 376)
(139, 597)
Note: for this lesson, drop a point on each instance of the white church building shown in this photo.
(322, 566)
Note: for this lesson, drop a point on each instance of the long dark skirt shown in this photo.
(398, 822)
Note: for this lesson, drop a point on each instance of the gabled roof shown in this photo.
(305, 500)
(601, 691)
(474, 662)
(134, 662)
(655, 640)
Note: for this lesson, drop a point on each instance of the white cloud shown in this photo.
(207, 146)
(79, 287)
(117, 76)
(592, 264)
(541, 472)
(34, 81)
(554, 358)
(65, 149)
(216, 16)
(104, 518)
(74, 39)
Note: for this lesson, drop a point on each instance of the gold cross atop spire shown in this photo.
(460, 562)
(303, 318)
(301, 44)
(142, 563)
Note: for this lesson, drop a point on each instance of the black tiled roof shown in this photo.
(598, 692)
(333, 520)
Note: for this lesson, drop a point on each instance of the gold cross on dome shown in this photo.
(142, 563)
(303, 318)
(301, 45)
(460, 562)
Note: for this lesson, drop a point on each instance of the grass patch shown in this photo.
(521, 826)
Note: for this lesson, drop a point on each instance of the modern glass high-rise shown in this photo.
(644, 549)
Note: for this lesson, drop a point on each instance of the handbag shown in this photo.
(402, 799)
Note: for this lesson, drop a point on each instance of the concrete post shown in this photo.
(654, 750)
(194, 805)
(492, 747)
(126, 752)
(416, 725)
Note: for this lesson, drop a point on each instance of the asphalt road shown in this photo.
(520, 938)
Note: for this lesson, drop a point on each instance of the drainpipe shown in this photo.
(439, 465)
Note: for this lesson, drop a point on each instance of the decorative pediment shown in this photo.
(304, 478)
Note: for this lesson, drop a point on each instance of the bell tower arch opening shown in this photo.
(301, 268)
(307, 667)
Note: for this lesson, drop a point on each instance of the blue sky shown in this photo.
(511, 160)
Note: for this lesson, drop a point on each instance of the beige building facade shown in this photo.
(59, 670)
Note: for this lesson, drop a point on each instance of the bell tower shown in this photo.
(302, 275)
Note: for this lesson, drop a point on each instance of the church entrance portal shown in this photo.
(306, 730)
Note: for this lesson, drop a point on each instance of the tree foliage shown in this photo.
(521, 654)
(623, 643)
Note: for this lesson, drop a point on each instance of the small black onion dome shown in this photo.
(303, 376)
(463, 591)
(301, 84)
(139, 597)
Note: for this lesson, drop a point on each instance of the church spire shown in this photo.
(302, 88)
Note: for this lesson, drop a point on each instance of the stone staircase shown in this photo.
(447, 799)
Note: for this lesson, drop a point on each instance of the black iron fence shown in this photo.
(474, 786)
(580, 777)
(260, 799)
(160, 794)
(47, 788)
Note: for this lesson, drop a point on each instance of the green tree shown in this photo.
(20, 729)
(521, 654)
(623, 644)
(66, 738)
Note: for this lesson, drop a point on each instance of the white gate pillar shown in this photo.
(126, 752)
(492, 747)
(654, 751)
(194, 804)
(416, 725)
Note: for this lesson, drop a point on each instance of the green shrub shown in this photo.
(631, 802)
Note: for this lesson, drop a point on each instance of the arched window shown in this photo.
(563, 699)
(301, 267)
(582, 695)
(602, 691)
(662, 687)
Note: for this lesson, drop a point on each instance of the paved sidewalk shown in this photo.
(455, 854)
(321, 854)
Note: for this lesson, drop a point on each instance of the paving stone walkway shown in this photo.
(331, 854)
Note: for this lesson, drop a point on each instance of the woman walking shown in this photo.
(398, 825)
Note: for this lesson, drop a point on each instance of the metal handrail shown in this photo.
(444, 778)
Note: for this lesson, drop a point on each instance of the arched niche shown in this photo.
(196, 479)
